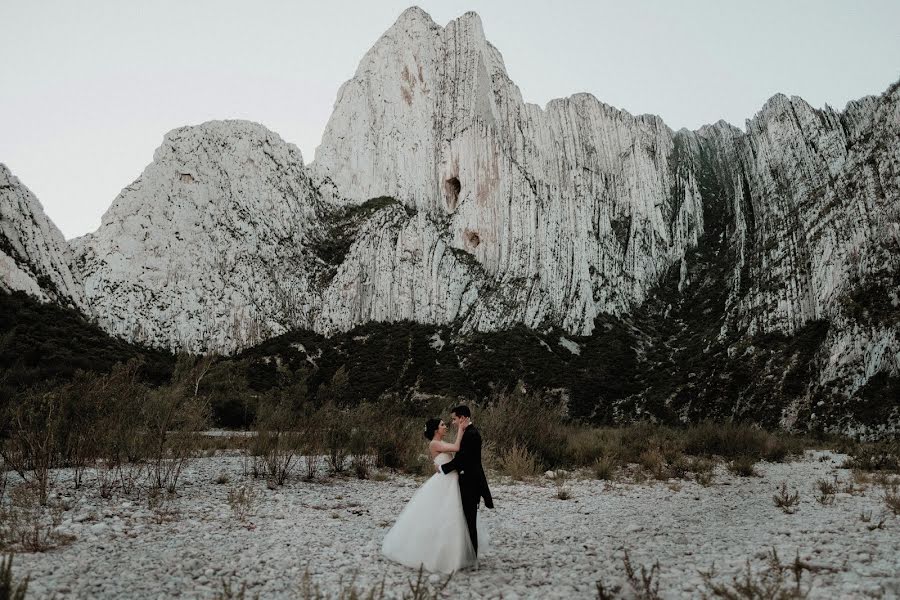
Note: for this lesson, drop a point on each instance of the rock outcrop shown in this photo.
(571, 210)
(34, 256)
(207, 249)
(439, 196)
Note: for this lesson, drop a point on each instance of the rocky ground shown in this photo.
(544, 547)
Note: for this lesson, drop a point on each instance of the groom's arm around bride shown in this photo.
(472, 480)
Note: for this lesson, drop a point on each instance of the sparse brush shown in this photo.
(605, 467)
(276, 442)
(777, 582)
(531, 421)
(645, 584)
(875, 456)
(162, 503)
(892, 499)
(827, 489)
(785, 500)
(517, 462)
(654, 462)
(241, 499)
(9, 589)
(28, 524)
(585, 446)
(704, 470)
(561, 478)
(229, 593)
(743, 466)
(861, 477)
(310, 590)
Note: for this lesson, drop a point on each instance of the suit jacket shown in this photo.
(472, 481)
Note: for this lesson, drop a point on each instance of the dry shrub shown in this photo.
(704, 470)
(827, 490)
(27, 524)
(163, 505)
(277, 440)
(743, 466)
(528, 421)
(335, 436)
(654, 463)
(785, 500)
(733, 440)
(172, 416)
(883, 455)
(518, 462)
(892, 499)
(586, 445)
(33, 447)
(644, 583)
(561, 478)
(424, 587)
(776, 582)
(241, 499)
(605, 467)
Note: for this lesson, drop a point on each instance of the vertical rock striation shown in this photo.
(571, 210)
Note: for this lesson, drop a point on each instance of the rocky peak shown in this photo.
(205, 250)
(34, 256)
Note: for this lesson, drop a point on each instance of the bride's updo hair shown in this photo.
(431, 426)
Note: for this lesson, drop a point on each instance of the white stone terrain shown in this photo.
(543, 547)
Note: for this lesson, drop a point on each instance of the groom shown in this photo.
(472, 482)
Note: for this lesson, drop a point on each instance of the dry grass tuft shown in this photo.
(241, 499)
(776, 582)
(785, 500)
(517, 462)
(743, 466)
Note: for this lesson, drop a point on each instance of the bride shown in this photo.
(431, 531)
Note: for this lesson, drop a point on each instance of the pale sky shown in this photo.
(89, 88)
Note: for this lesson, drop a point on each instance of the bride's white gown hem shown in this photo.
(431, 531)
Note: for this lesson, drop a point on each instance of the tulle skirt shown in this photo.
(431, 531)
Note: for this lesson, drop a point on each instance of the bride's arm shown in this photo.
(444, 446)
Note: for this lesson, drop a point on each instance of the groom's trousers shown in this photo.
(470, 502)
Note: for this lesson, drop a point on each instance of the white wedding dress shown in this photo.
(431, 531)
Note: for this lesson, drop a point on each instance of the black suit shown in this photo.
(472, 482)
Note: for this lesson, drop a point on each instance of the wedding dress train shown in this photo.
(431, 530)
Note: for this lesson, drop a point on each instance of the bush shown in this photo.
(605, 467)
(518, 462)
(276, 442)
(743, 466)
(526, 420)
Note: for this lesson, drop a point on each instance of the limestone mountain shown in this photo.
(745, 273)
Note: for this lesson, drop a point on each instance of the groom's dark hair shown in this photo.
(462, 411)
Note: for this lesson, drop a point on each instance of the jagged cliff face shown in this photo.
(34, 256)
(570, 211)
(440, 197)
(817, 208)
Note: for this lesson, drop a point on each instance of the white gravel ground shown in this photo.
(544, 547)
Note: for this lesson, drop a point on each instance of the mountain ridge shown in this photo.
(439, 196)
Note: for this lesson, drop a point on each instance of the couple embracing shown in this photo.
(438, 528)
